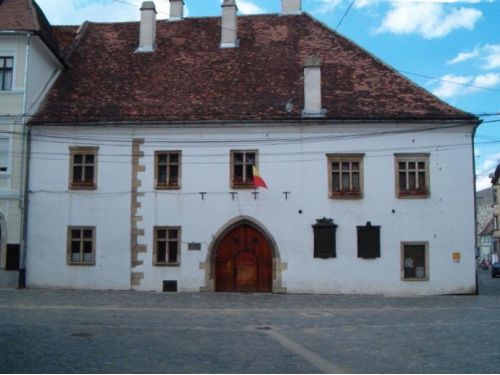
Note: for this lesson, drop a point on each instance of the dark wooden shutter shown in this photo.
(324, 238)
(12, 257)
(369, 241)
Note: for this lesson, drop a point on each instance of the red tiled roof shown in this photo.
(189, 78)
(26, 16)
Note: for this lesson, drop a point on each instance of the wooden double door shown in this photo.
(244, 262)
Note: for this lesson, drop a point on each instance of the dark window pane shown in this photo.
(238, 173)
(174, 158)
(345, 166)
(161, 252)
(87, 233)
(87, 247)
(78, 159)
(249, 173)
(162, 174)
(75, 234)
(402, 181)
(75, 247)
(411, 165)
(336, 182)
(238, 157)
(412, 181)
(174, 174)
(89, 174)
(421, 165)
(172, 252)
(162, 158)
(336, 166)
(414, 261)
(77, 174)
(250, 158)
(89, 159)
(345, 181)
(355, 166)
(172, 233)
(402, 165)
(161, 233)
(421, 180)
(355, 181)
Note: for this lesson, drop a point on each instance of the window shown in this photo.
(414, 261)
(83, 168)
(369, 241)
(6, 73)
(167, 246)
(4, 155)
(168, 169)
(495, 222)
(242, 163)
(345, 175)
(412, 175)
(81, 246)
(324, 238)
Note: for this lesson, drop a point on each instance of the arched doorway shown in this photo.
(244, 261)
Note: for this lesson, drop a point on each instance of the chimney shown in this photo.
(291, 7)
(229, 25)
(148, 27)
(312, 88)
(176, 10)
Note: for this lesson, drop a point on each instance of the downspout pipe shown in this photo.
(23, 190)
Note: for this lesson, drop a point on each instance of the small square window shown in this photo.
(81, 246)
(345, 176)
(242, 164)
(83, 168)
(415, 261)
(168, 170)
(167, 246)
(412, 175)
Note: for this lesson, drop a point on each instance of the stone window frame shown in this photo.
(84, 151)
(426, 258)
(345, 158)
(69, 260)
(417, 158)
(167, 240)
(248, 181)
(168, 185)
(4, 70)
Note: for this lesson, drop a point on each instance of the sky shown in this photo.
(449, 47)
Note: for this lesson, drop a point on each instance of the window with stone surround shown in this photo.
(242, 163)
(83, 168)
(4, 155)
(414, 261)
(412, 175)
(167, 246)
(345, 176)
(168, 169)
(6, 72)
(81, 246)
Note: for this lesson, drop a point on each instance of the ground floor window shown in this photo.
(167, 245)
(81, 246)
(415, 261)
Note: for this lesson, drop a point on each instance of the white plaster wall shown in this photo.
(445, 220)
(53, 208)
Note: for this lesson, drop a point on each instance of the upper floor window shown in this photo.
(167, 169)
(6, 73)
(345, 175)
(83, 168)
(81, 246)
(4, 155)
(242, 164)
(412, 175)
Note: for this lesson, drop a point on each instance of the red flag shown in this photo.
(257, 180)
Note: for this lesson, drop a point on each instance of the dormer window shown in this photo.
(6, 73)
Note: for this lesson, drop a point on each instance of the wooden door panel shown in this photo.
(244, 262)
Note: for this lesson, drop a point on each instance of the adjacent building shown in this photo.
(495, 181)
(29, 63)
(144, 154)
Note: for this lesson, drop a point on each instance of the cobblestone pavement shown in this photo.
(50, 331)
